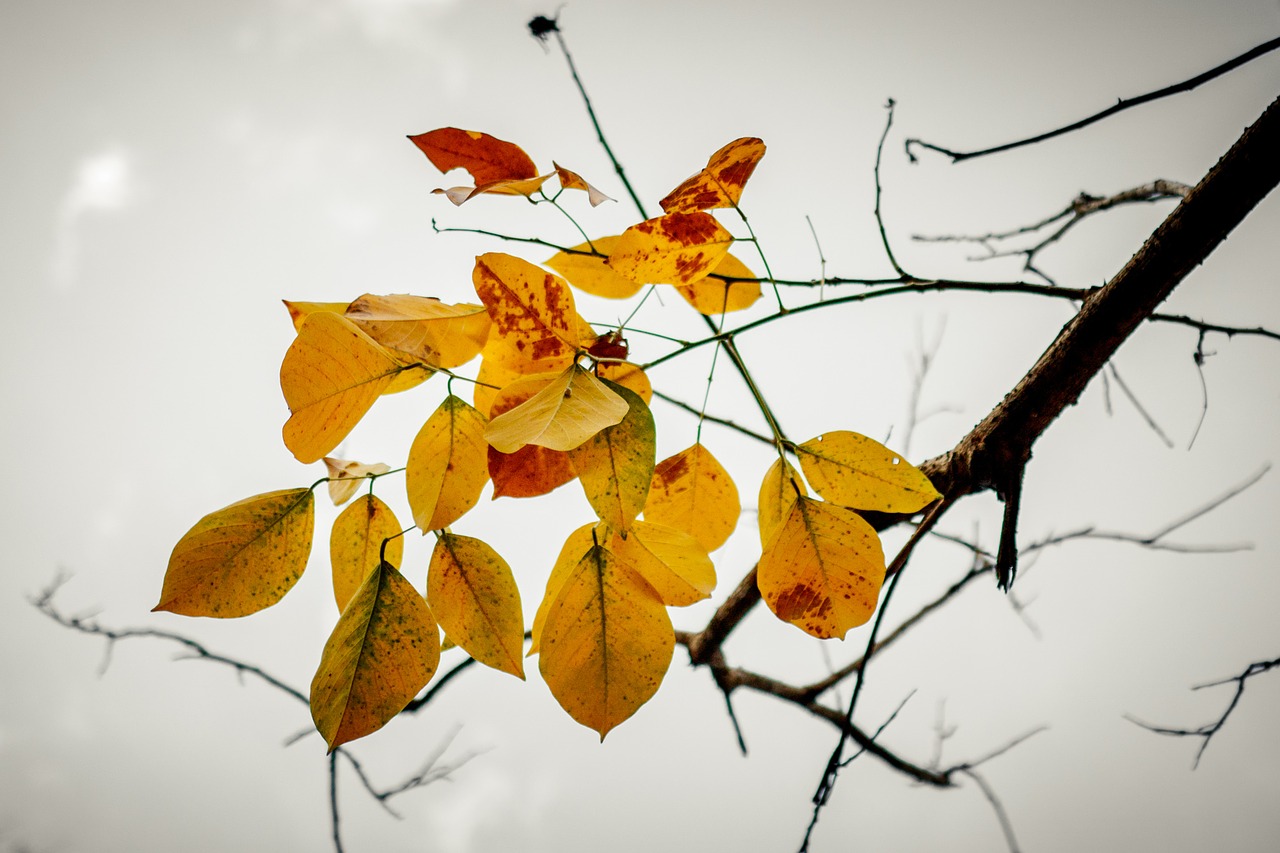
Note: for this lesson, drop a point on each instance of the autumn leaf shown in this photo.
(384, 649)
(331, 375)
(692, 492)
(673, 562)
(525, 187)
(629, 376)
(242, 558)
(574, 549)
(355, 544)
(779, 489)
(713, 295)
(532, 310)
(606, 643)
(615, 465)
(570, 409)
(531, 470)
(679, 248)
(589, 273)
(346, 476)
(299, 311)
(473, 595)
(720, 183)
(573, 181)
(861, 473)
(448, 465)
(423, 328)
(485, 157)
(822, 570)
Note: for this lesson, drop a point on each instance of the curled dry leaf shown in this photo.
(679, 248)
(346, 476)
(524, 187)
(355, 544)
(720, 182)
(242, 558)
(573, 181)
(859, 472)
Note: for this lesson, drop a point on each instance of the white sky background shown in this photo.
(171, 170)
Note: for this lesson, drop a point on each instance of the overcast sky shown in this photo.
(171, 170)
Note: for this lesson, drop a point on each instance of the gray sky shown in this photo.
(172, 170)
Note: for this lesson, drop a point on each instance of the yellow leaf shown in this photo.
(242, 558)
(822, 570)
(355, 544)
(345, 476)
(574, 549)
(615, 465)
(629, 376)
(384, 649)
(532, 310)
(474, 597)
(673, 562)
(571, 408)
(720, 183)
(448, 465)
(423, 328)
(331, 375)
(589, 273)
(573, 181)
(299, 311)
(859, 472)
(679, 248)
(531, 470)
(714, 295)
(692, 492)
(606, 643)
(778, 491)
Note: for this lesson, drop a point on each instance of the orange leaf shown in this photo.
(692, 492)
(720, 183)
(485, 157)
(679, 248)
(531, 470)
(532, 310)
(573, 181)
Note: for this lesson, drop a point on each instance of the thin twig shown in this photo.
(884, 237)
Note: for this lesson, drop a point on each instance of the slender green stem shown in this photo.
(568, 216)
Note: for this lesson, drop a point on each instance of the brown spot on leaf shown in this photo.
(799, 600)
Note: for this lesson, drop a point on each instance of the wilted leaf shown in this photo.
(590, 274)
(859, 472)
(331, 375)
(822, 570)
(673, 562)
(571, 408)
(346, 476)
(384, 649)
(525, 187)
(574, 549)
(485, 157)
(299, 311)
(615, 466)
(448, 465)
(531, 470)
(779, 489)
(242, 558)
(606, 643)
(692, 492)
(532, 310)
(628, 376)
(720, 183)
(679, 248)
(355, 544)
(714, 295)
(474, 597)
(573, 181)
(422, 327)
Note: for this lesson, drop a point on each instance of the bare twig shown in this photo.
(884, 238)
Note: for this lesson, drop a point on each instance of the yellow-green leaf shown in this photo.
(422, 327)
(607, 642)
(242, 558)
(474, 598)
(571, 408)
(714, 295)
(384, 649)
(331, 375)
(673, 562)
(355, 544)
(822, 570)
(448, 465)
(859, 472)
(679, 248)
(346, 476)
(779, 489)
(720, 182)
(575, 547)
(589, 273)
(532, 310)
(615, 466)
(692, 492)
